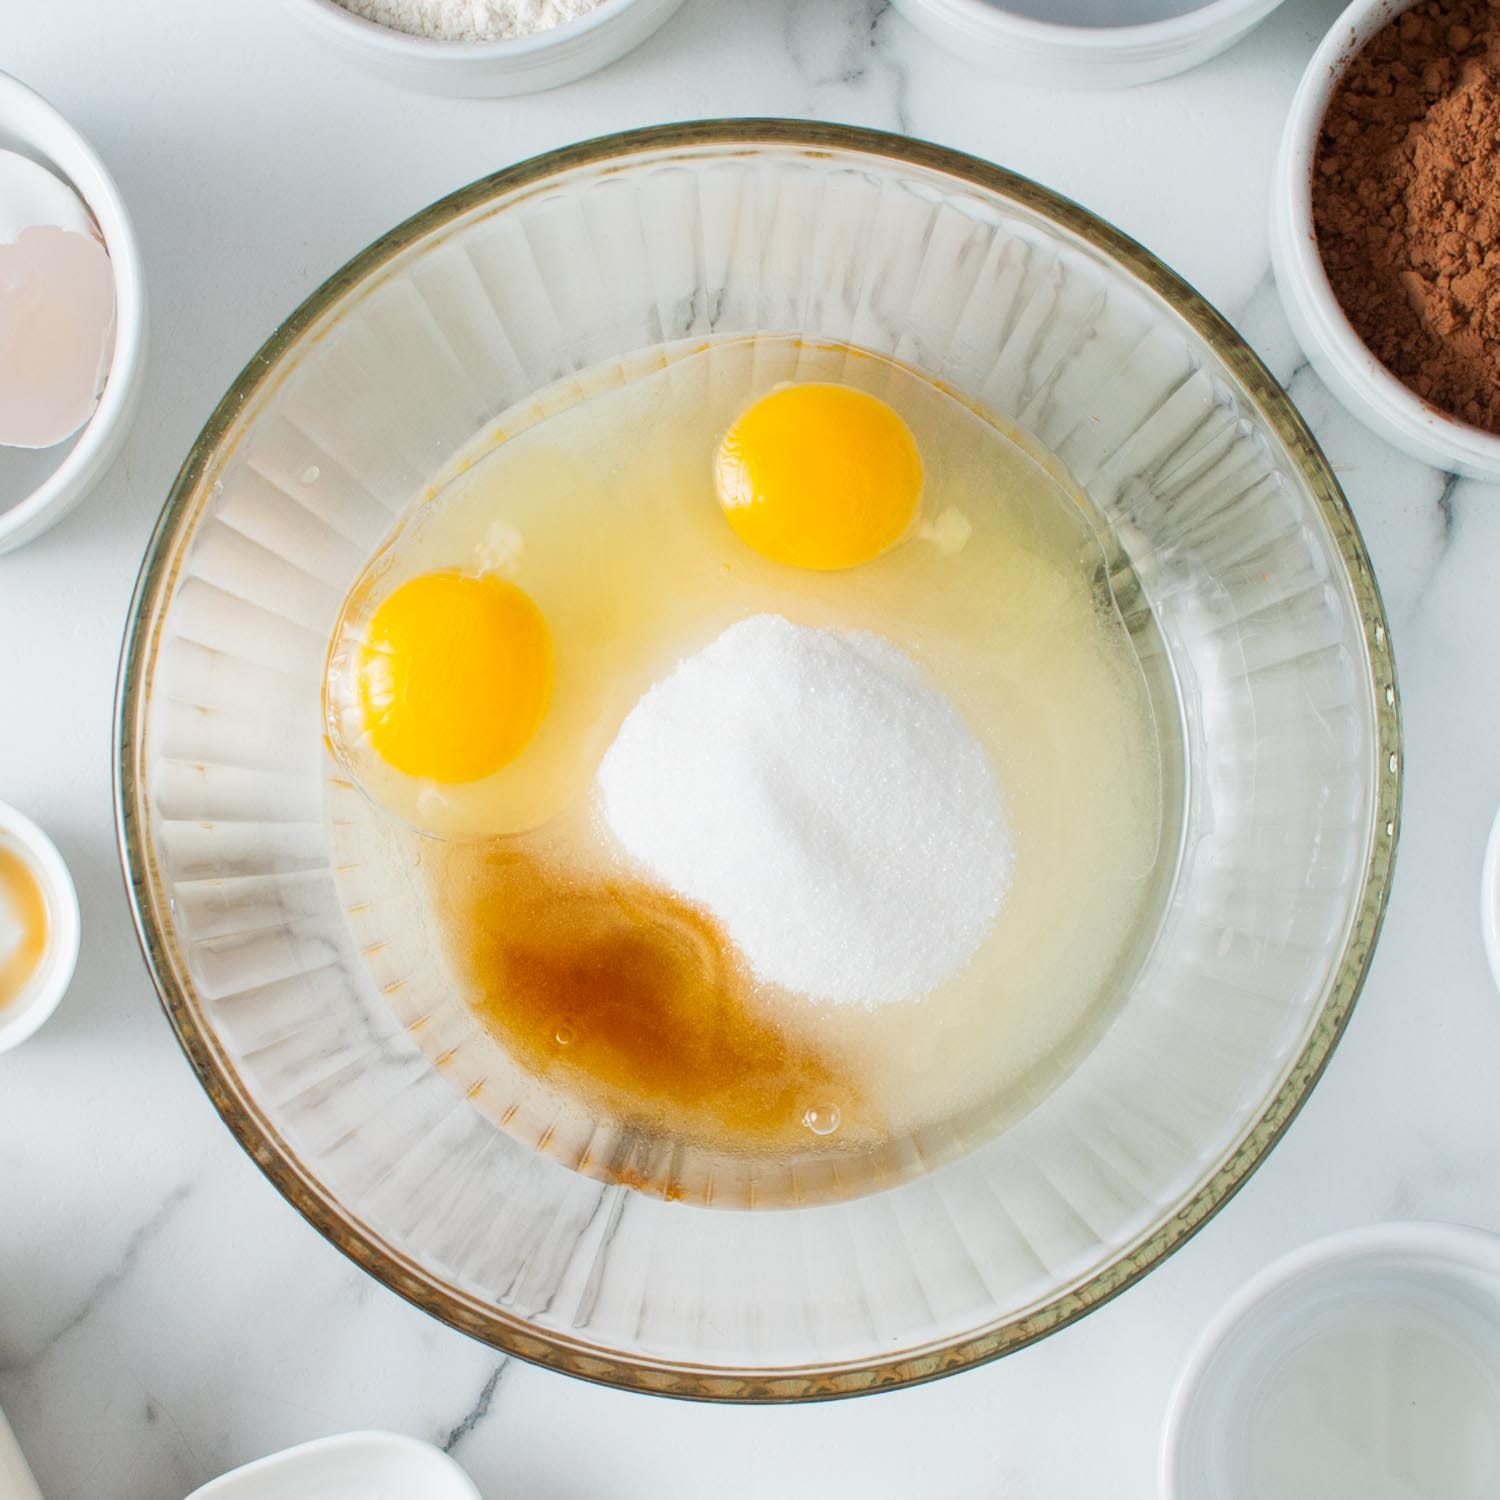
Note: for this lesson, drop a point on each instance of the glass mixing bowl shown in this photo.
(1235, 554)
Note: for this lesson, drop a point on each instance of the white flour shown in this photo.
(471, 20)
(830, 807)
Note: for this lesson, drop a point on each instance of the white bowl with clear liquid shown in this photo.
(1365, 1366)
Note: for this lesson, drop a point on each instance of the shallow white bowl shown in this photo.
(525, 65)
(1415, 1264)
(352, 1466)
(23, 1015)
(30, 125)
(1029, 50)
(1328, 339)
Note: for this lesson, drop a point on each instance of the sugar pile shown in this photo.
(810, 789)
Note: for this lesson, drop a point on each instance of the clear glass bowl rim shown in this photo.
(513, 1334)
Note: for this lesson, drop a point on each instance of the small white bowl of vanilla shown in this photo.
(39, 927)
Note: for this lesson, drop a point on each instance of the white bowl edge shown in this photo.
(1084, 57)
(365, 1458)
(1457, 1243)
(29, 119)
(1327, 337)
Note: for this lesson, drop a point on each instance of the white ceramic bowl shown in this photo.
(352, 1466)
(1422, 1289)
(1138, 49)
(30, 125)
(525, 65)
(23, 1015)
(1328, 339)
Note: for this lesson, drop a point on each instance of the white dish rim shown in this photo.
(1170, 32)
(45, 134)
(271, 1471)
(1377, 397)
(1462, 1246)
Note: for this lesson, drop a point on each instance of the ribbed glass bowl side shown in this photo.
(1229, 531)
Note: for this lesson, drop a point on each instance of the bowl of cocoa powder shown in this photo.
(1385, 224)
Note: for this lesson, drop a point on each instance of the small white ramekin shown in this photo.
(1270, 1315)
(20, 1017)
(524, 65)
(1328, 339)
(1083, 57)
(30, 125)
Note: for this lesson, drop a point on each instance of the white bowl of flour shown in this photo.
(482, 48)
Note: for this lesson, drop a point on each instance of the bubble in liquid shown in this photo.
(310, 474)
(564, 1036)
(822, 1119)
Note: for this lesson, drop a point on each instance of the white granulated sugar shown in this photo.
(811, 790)
(471, 20)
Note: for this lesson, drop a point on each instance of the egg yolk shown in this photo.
(454, 675)
(819, 476)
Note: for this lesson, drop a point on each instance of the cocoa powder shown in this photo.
(1406, 202)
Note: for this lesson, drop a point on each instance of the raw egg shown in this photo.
(454, 675)
(820, 476)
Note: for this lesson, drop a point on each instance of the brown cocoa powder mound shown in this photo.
(1406, 202)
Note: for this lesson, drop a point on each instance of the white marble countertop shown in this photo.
(164, 1315)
